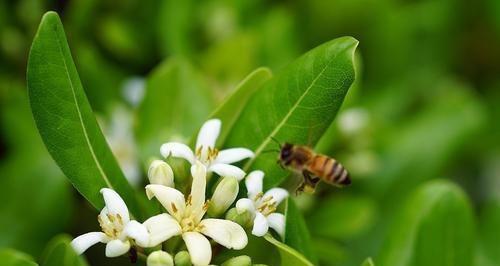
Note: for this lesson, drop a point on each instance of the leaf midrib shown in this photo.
(285, 118)
(80, 117)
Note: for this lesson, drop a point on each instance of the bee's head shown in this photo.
(286, 153)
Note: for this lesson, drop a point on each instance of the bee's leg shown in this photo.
(309, 183)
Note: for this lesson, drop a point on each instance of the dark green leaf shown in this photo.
(296, 106)
(65, 120)
(489, 222)
(59, 252)
(289, 256)
(10, 257)
(296, 233)
(229, 111)
(435, 227)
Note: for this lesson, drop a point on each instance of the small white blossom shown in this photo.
(262, 206)
(206, 153)
(115, 224)
(186, 217)
(161, 173)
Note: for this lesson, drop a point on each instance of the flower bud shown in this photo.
(244, 219)
(224, 195)
(160, 258)
(182, 259)
(161, 173)
(238, 261)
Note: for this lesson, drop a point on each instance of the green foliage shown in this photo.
(296, 232)
(59, 252)
(176, 102)
(65, 120)
(489, 221)
(352, 216)
(289, 256)
(10, 257)
(229, 111)
(424, 234)
(297, 105)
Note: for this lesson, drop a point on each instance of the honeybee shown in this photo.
(314, 167)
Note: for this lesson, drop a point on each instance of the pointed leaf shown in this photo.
(296, 106)
(65, 120)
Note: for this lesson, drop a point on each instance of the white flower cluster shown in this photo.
(193, 218)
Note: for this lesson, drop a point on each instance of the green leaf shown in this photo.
(289, 256)
(229, 111)
(435, 227)
(353, 215)
(368, 262)
(10, 257)
(65, 120)
(59, 252)
(296, 233)
(175, 104)
(296, 106)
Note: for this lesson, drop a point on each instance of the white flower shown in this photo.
(206, 153)
(262, 206)
(186, 216)
(114, 220)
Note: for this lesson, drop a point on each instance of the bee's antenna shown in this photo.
(271, 150)
(277, 141)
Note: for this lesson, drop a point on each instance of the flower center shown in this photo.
(266, 205)
(206, 154)
(111, 224)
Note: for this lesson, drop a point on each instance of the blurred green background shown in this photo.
(425, 106)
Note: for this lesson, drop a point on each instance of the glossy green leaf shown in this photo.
(65, 120)
(229, 111)
(289, 256)
(295, 106)
(435, 227)
(59, 252)
(176, 103)
(296, 233)
(353, 215)
(10, 257)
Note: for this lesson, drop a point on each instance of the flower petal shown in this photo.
(253, 182)
(233, 155)
(245, 204)
(278, 194)
(260, 225)
(83, 242)
(116, 248)
(199, 248)
(199, 173)
(170, 198)
(277, 222)
(115, 204)
(161, 228)
(208, 134)
(227, 170)
(177, 149)
(138, 232)
(227, 233)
